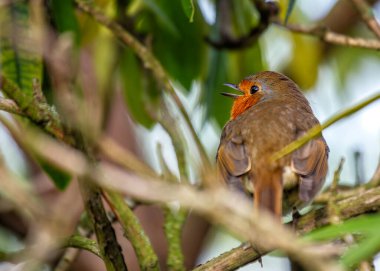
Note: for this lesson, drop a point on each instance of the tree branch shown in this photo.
(174, 219)
(133, 231)
(10, 106)
(78, 241)
(366, 13)
(359, 203)
(38, 112)
(267, 11)
(218, 205)
(43, 115)
(331, 37)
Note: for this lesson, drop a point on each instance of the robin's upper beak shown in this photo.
(232, 95)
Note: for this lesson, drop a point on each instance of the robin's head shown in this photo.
(263, 85)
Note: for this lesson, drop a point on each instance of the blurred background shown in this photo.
(201, 45)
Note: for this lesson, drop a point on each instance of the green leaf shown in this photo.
(63, 12)
(363, 225)
(182, 55)
(289, 10)
(20, 58)
(189, 9)
(139, 91)
(60, 178)
(367, 246)
(162, 16)
(363, 251)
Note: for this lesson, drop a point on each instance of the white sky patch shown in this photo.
(315, 10)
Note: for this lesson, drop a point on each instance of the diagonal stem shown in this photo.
(316, 130)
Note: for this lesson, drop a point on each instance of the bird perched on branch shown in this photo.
(269, 113)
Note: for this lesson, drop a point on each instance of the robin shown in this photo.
(270, 113)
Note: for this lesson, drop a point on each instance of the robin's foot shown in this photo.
(248, 245)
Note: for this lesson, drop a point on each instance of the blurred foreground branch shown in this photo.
(44, 116)
(218, 205)
(38, 112)
(10, 106)
(360, 203)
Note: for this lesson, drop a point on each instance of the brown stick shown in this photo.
(334, 38)
(367, 16)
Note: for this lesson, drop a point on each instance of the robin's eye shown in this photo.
(254, 89)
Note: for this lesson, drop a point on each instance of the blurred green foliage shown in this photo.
(365, 230)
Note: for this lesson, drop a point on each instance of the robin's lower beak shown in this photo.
(232, 95)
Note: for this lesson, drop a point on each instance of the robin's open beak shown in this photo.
(232, 95)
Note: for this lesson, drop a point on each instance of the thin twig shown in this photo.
(332, 208)
(40, 113)
(67, 259)
(10, 106)
(78, 241)
(331, 37)
(267, 11)
(336, 177)
(366, 13)
(133, 231)
(316, 130)
(174, 220)
(178, 140)
(119, 155)
(375, 180)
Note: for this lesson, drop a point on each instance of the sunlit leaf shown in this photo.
(189, 9)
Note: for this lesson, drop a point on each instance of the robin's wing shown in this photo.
(310, 163)
(232, 160)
